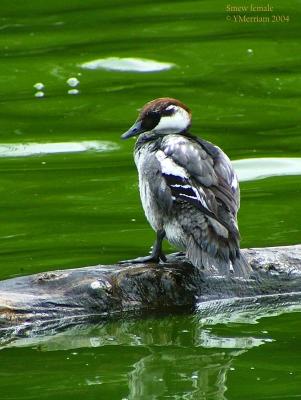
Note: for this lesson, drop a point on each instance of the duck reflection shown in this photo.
(180, 375)
(171, 356)
(177, 356)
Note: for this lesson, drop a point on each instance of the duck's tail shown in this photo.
(215, 262)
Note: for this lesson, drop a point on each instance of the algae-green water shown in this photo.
(69, 194)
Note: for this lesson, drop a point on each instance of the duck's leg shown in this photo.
(156, 254)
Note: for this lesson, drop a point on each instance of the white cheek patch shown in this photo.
(175, 123)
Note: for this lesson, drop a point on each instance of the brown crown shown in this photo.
(159, 105)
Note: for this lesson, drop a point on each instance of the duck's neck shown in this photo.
(154, 136)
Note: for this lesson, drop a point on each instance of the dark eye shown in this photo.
(150, 120)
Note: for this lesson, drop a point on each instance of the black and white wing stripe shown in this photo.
(208, 171)
(180, 185)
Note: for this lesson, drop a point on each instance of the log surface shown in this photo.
(76, 294)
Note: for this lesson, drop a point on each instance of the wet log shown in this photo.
(65, 297)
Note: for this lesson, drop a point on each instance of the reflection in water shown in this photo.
(247, 310)
(197, 372)
(259, 168)
(127, 64)
(128, 333)
(30, 149)
(207, 339)
(179, 356)
(194, 376)
(164, 359)
(175, 355)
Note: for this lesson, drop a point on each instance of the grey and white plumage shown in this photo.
(188, 188)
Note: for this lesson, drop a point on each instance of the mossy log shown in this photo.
(65, 297)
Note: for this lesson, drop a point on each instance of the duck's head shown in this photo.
(161, 116)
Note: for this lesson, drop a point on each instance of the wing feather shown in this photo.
(208, 180)
(180, 183)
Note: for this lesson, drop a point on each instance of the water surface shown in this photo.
(69, 195)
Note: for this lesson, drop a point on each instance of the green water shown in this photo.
(60, 210)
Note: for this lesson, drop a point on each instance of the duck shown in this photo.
(188, 189)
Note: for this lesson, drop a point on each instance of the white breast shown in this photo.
(149, 203)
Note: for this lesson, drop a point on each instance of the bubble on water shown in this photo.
(73, 91)
(39, 86)
(127, 64)
(39, 94)
(73, 82)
